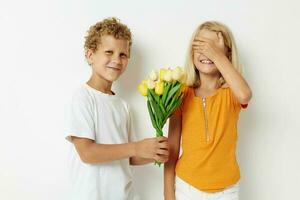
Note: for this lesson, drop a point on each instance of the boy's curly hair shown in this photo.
(109, 26)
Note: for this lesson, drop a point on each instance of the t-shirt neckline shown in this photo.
(98, 92)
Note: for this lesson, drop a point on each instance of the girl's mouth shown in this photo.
(206, 61)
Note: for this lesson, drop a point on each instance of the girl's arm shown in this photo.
(174, 147)
(234, 79)
(91, 152)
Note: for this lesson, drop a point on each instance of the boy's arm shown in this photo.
(140, 161)
(91, 152)
(174, 147)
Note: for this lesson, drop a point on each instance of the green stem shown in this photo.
(159, 133)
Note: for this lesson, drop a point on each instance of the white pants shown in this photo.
(184, 191)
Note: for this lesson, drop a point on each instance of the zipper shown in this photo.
(205, 118)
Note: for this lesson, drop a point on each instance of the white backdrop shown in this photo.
(42, 62)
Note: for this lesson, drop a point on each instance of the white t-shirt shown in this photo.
(105, 119)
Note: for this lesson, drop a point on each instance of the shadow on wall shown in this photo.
(247, 139)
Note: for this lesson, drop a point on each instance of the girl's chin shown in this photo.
(201, 65)
(207, 68)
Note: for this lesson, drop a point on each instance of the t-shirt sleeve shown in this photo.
(80, 122)
(178, 111)
(130, 127)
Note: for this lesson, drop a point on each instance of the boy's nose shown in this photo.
(114, 63)
(116, 59)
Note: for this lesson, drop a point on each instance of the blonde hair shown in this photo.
(193, 78)
(109, 26)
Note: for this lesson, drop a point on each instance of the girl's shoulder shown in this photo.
(187, 90)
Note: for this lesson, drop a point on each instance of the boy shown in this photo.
(100, 122)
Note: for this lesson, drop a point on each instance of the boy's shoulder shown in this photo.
(80, 92)
(81, 95)
(84, 94)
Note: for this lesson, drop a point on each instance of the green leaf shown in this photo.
(163, 109)
(150, 97)
(151, 115)
(166, 91)
(173, 108)
(172, 92)
(175, 97)
(157, 112)
(154, 95)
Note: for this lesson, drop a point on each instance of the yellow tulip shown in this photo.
(183, 78)
(144, 82)
(159, 88)
(150, 84)
(143, 89)
(177, 74)
(162, 73)
(153, 76)
(168, 76)
(182, 88)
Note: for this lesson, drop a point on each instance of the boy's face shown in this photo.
(111, 58)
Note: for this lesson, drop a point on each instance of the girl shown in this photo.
(206, 122)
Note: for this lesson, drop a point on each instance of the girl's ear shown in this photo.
(89, 56)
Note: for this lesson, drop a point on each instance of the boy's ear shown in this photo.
(89, 56)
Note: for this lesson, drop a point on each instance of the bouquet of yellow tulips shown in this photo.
(163, 90)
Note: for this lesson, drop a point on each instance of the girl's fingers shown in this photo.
(203, 39)
(198, 43)
(221, 39)
(198, 48)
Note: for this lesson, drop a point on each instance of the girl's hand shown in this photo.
(210, 48)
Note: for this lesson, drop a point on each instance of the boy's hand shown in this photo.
(153, 148)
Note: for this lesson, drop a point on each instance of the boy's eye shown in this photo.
(123, 55)
(108, 52)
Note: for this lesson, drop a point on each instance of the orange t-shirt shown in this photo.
(209, 138)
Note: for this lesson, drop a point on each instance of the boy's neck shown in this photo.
(100, 84)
